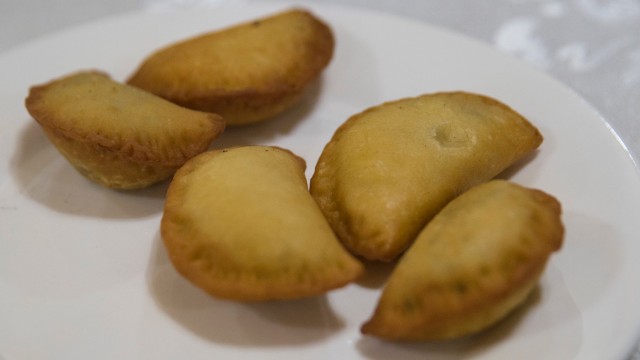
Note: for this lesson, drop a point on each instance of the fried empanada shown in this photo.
(388, 170)
(117, 135)
(240, 224)
(245, 73)
(474, 263)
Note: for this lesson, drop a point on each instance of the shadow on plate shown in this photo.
(42, 174)
(277, 323)
(511, 171)
(592, 255)
(547, 326)
(467, 347)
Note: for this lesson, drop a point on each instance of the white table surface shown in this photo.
(592, 46)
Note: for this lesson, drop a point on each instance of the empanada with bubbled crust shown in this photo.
(389, 169)
(246, 73)
(475, 262)
(240, 224)
(117, 135)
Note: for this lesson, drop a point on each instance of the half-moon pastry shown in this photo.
(240, 224)
(474, 263)
(389, 169)
(117, 135)
(245, 73)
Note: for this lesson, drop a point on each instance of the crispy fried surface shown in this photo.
(118, 135)
(241, 224)
(246, 73)
(388, 170)
(475, 262)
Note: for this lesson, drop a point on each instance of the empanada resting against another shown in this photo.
(248, 72)
(389, 169)
(240, 224)
(474, 263)
(115, 134)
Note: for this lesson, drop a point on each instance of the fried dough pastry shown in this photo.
(117, 135)
(245, 73)
(388, 170)
(471, 266)
(240, 224)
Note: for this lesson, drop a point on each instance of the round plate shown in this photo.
(83, 273)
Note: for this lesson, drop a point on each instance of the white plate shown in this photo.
(83, 274)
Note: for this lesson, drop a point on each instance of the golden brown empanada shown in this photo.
(117, 135)
(240, 224)
(474, 262)
(388, 170)
(246, 73)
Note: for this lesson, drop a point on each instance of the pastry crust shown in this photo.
(245, 73)
(240, 224)
(117, 135)
(472, 265)
(389, 169)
